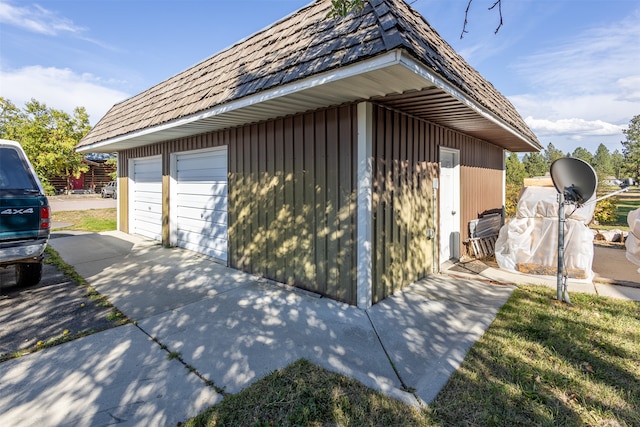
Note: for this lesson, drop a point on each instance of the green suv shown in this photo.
(25, 216)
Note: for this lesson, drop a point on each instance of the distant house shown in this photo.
(345, 157)
(98, 175)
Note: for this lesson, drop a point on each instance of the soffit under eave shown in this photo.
(382, 79)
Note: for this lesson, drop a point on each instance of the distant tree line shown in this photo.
(605, 163)
(618, 165)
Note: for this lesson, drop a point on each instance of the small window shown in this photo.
(14, 171)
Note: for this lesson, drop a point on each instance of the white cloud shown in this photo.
(590, 62)
(584, 90)
(574, 128)
(630, 87)
(62, 89)
(36, 19)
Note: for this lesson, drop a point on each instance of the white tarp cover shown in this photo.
(532, 236)
(633, 243)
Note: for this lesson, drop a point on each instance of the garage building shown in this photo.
(343, 156)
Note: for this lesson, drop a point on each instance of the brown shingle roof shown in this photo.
(299, 46)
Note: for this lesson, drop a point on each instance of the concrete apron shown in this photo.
(235, 328)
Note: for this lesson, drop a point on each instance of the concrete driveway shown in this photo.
(232, 328)
(610, 265)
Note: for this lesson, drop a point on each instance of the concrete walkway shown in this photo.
(233, 329)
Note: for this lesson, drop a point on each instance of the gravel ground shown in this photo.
(45, 311)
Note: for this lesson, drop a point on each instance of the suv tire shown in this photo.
(28, 274)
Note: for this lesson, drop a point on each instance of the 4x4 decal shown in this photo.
(11, 211)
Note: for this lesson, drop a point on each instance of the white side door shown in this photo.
(449, 204)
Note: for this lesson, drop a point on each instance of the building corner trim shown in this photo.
(364, 205)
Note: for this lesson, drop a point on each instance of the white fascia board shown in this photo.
(364, 275)
(383, 61)
(439, 82)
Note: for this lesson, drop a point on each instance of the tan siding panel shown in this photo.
(406, 151)
(295, 202)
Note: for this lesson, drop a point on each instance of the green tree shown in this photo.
(344, 7)
(617, 163)
(552, 154)
(582, 154)
(631, 148)
(602, 161)
(8, 115)
(514, 170)
(535, 164)
(48, 137)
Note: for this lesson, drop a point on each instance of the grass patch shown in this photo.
(100, 300)
(625, 202)
(304, 394)
(540, 363)
(41, 345)
(545, 363)
(92, 220)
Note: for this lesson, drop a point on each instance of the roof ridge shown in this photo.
(388, 24)
(298, 46)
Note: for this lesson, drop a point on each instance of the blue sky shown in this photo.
(571, 67)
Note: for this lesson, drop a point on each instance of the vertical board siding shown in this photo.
(292, 197)
(405, 162)
(402, 202)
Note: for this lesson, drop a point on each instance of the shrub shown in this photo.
(605, 212)
(511, 199)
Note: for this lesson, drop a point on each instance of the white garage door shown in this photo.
(146, 197)
(199, 208)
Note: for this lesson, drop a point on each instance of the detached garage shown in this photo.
(343, 156)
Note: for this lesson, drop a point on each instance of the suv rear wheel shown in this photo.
(28, 274)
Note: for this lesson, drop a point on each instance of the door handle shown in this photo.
(453, 212)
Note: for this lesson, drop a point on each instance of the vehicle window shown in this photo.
(14, 173)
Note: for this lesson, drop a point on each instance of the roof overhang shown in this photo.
(393, 79)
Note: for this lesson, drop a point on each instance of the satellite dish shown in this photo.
(576, 182)
(574, 178)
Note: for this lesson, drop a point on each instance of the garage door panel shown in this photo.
(203, 202)
(213, 230)
(204, 161)
(200, 208)
(148, 187)
(146, 207)
(214, 252)
(147, 216)
(146, 198)
(202, 214)
(213, 188)
(214, 241)
(217, 174)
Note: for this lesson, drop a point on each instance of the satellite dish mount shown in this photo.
(576, 182)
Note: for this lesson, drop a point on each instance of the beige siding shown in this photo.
(403, 172)
(292, 201)
(292, 196)
(406, 156)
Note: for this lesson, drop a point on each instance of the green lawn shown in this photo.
(540, 363)
(627, 202)
(94, 220)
